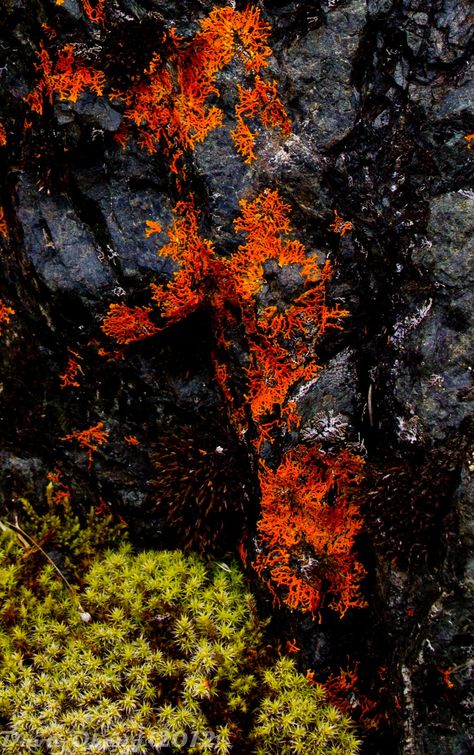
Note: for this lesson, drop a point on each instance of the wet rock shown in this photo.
(318, 68)
(448, 257)
(60, 247)
(225, 178)
(435, 383)
(121, 206)
(328, 404)
(96, 112)
(437, 674)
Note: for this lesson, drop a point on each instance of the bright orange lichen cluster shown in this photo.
(3, 135)
(307, 529)
(343, 691)
(259, 103)
(89, 439)
(339, 225)
(57, 491)
(128, 324)
(5, 314)
(199, 270)
(308, 524)
(152, 226)
(173, 105)
(3, 224)
(131, 440)
(469, 139)
(67, 77)
(281, 352)
(95, 11)
(69, 377)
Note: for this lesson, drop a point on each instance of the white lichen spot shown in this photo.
(410, 322)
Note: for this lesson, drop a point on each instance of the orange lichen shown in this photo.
(5, 314)
(446, 674)
(281, 353)
(261, 102)
(244, 140)
(469, 139)
(89, 439)
(173, 104)
(308, 525)
(3, 224)
(128, 324)
(49, 31)
(95, 11)
(69, 377)
(131, 440)
(342, 690)
(3, 135)
(57, 491)
(68, 78)
(292, 647)
(152, 226)
(307, 530)
(197, 262)
(339, 225)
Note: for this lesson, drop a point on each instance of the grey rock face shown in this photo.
(436, 383)
(60, 247)
(318, 68)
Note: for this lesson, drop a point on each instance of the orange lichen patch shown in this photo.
(48, 30)
(5, 314)
(446, 674)
(281, 352)
(469, 139)
(128, 324)
(131, 440)
(196, 259)
(244, 140)
(262, 103)
(89, 439)
(272, 372)
(69, 377)
(112, 356)
(173, 105)
(67, 77)
(3, 224)
(292, 647)
(95, 11)
(57, 491)
(3, 135)
(308, 525)
(339, 225)
(307, 530)
(152, 226)
(343, 691)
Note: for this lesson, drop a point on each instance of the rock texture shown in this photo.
(380, 97)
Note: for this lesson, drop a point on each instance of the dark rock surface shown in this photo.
(380, 95)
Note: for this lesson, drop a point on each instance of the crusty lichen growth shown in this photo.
(174, 651)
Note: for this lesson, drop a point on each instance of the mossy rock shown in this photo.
(172, 659)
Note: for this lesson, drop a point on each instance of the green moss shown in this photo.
(174, 653)
(76, 538)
